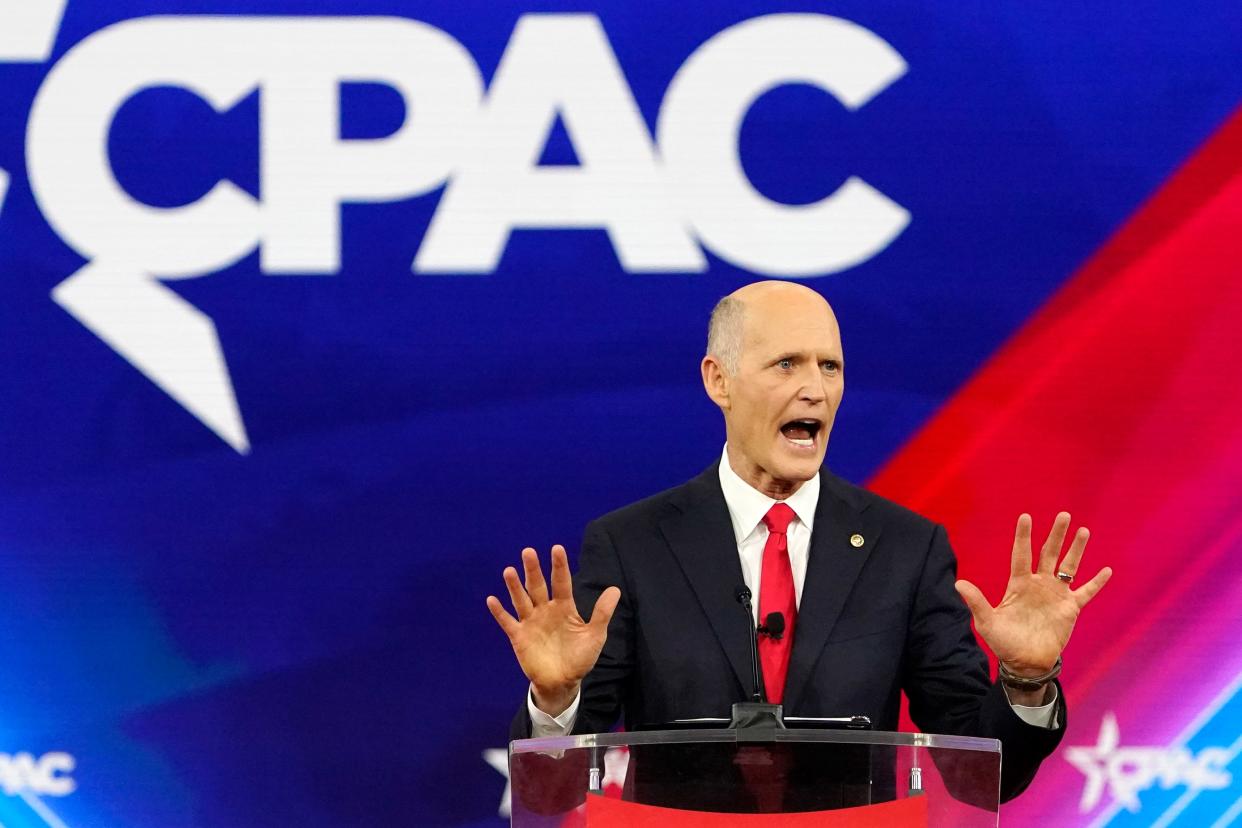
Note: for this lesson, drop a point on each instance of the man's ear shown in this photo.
(715, 381)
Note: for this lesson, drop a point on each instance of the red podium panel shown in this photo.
(603, 812)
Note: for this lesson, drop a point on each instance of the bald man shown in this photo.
(866, 587)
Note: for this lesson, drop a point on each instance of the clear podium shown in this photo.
(727, 777)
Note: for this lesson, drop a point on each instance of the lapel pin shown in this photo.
(856, 541)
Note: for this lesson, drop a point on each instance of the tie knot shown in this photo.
(778, 518)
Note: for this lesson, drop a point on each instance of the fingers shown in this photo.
(536, 586)
(1020, 562)
(605, 606)
(535, 592)
(1069, 564)
(1050, 552)
(1091, 588)
(975, 602)
(506, 621)
(562, 583)
(517, 596)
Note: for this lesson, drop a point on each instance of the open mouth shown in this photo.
(802, 433)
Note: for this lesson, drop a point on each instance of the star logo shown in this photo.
(1128, 771)
(498, 758)
(616, 763)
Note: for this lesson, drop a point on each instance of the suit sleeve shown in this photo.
(946, 676)
(606, 687)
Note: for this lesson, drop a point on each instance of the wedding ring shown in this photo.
(1065, 576)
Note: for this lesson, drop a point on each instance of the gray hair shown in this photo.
(724, 333)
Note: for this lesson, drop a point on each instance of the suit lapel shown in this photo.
(700, 535)
(832, 569)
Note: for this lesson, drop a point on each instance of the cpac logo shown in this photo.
(47, 775)
(1128, 771)
(661, 202)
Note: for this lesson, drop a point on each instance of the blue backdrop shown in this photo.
(296, 634)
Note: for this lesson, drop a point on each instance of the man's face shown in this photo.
(784, 397)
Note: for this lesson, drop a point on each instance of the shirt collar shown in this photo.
(747, 505)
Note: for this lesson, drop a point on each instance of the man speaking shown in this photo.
(865, 587)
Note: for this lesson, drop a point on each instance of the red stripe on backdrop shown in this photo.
(1121, 402)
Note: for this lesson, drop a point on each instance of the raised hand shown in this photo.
(1031, 625)
(554, 646)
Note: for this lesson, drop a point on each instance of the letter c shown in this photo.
(698, 128)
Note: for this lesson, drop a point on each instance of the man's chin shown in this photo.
(798, 470)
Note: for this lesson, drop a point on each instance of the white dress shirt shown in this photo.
(747, 506)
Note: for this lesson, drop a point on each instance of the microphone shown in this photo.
(742, 594)
(773, 626)
(756, 720)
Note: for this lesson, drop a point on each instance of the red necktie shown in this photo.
(776, 594)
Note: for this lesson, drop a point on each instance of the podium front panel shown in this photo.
(701, 777)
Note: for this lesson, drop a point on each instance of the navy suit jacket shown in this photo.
(873, 621)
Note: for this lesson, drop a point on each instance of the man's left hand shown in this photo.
(1031, 625)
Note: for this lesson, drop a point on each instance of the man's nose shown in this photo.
(813, 386)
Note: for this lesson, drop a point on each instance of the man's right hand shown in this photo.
(554, 646)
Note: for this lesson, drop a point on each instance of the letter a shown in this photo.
(558, 64)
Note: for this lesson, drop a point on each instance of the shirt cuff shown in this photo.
(1044, 715)
(542, 725)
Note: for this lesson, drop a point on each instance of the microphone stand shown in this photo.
(755, 720)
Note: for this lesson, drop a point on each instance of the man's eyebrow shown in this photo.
(837, 358)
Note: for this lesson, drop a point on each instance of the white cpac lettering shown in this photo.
(558, 64)
(698, 129)
(28, 29)
(658, 201)
(47, 775)
(563, 64)
(1128, 771)
(307, 171)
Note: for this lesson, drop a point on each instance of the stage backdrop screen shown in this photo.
(313, 313)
